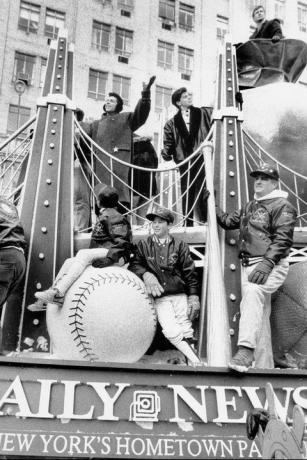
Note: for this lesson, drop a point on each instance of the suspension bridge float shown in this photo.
(87, 388)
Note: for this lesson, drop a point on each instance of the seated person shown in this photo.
(111, 241)
(265, 29)
(168, 271)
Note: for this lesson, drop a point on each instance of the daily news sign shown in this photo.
(51, 409)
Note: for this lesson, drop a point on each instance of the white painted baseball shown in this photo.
(106, 316)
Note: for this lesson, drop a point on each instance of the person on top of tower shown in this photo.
(183, 133)
(113, 133)
(168, 271)
(266, 235)
(264, 28)
(111, 243)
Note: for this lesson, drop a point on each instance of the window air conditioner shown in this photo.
(24, 77)
(123, 59)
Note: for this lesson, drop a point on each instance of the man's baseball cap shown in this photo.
(163, 213)
(177, 95)
(267, 169)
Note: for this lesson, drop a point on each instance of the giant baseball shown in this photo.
(106, 316)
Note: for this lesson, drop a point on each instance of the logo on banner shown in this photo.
(145, 406)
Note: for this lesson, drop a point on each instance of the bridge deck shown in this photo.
(191, 235)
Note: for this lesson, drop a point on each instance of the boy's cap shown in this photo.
(266, 169)
(105, 191)
(163, 213)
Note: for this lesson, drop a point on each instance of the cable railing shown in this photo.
(180, 192)
(14, 152)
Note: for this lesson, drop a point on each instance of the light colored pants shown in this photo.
(255, 308)
(74, 267)
(172, 311)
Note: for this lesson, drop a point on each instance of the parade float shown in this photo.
(81, 383)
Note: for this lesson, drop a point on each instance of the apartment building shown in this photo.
(119, 44)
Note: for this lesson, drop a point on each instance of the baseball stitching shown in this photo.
(79, 304)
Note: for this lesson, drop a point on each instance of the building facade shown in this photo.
(119, 44)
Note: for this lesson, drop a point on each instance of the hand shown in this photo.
(206, 194)
(152, 284)
(149, 84)
(261, 272)
(79, 114)
(165, 156)
(275, 38)
(114, 254)
(101, 263)
(193, 307)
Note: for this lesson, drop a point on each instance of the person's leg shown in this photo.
(171, 329)
(76, 267)
(198, 189)
(255, 307)
(70, 272)
(180, 305)
(82, 209)
(14, 294)
(186, 194)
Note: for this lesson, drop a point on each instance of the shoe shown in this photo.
(39, 305)
(51, 295)
(243, 360)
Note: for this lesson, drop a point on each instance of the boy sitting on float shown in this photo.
(111, 243)
(168, 270)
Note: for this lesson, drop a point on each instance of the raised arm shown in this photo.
(142, 109)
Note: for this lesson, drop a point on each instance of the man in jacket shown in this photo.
(265, 29)
(12, 253)
(182, 135)
(169, 274)
(266, 235)
(113, 133)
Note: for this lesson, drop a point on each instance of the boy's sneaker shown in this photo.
(243, 360)
(51, 295)
(39, 305)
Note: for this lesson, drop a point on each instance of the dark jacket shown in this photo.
(268, 30)
(178, 142)
(11, 230)
(113, 231)
(266, 227)
(144, 155)
(176, 276)
(114, 134)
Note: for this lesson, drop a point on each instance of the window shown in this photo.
(125, 4)
(167, 9)
(186, 16)
(123, 41)
(17, 117)
(54, 21)
(28, 17)
(165, 55)
(97, 85)
(42, 72)
(23, 67)
(121, 86)
(302, 17)
(279, 10)
(101, 35)
(185, 60)
(221, 27)
(163, 98)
